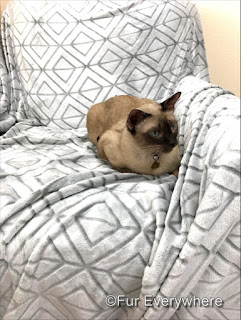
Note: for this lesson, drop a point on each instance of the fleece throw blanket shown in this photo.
(82, 241)
(79, 240)
(64, 56)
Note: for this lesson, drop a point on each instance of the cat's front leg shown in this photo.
(108, 148)
(175, 172)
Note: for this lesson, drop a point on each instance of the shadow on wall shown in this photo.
(221, 27)
(3, 4)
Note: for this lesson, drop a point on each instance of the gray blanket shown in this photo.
(79, 240)
(61, 57)
(75, 231)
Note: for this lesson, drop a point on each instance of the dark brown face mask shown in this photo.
(163, 127)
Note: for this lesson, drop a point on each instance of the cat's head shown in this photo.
(155, 128)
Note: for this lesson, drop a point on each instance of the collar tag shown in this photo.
(155, 165)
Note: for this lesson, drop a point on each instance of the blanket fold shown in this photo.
(204, 209)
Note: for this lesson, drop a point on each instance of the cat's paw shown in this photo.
(175, 172)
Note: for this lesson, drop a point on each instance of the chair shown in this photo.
(80, 240)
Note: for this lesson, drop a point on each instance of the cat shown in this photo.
(136, 134)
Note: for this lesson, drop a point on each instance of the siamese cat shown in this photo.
(136, 135)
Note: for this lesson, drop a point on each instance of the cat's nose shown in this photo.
(172, 142)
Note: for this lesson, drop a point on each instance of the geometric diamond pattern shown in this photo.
(89, 51)
(74, 230)
(63, 65)
(74, 254)
(57, 23)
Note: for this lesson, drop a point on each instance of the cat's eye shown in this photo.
(154, 133)
(173, 126)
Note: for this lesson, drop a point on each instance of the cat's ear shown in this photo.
(168, 105)
(135, 118)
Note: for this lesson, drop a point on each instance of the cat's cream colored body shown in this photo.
(107, 121)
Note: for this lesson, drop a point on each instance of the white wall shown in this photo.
(2, 5)
(221, 27)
